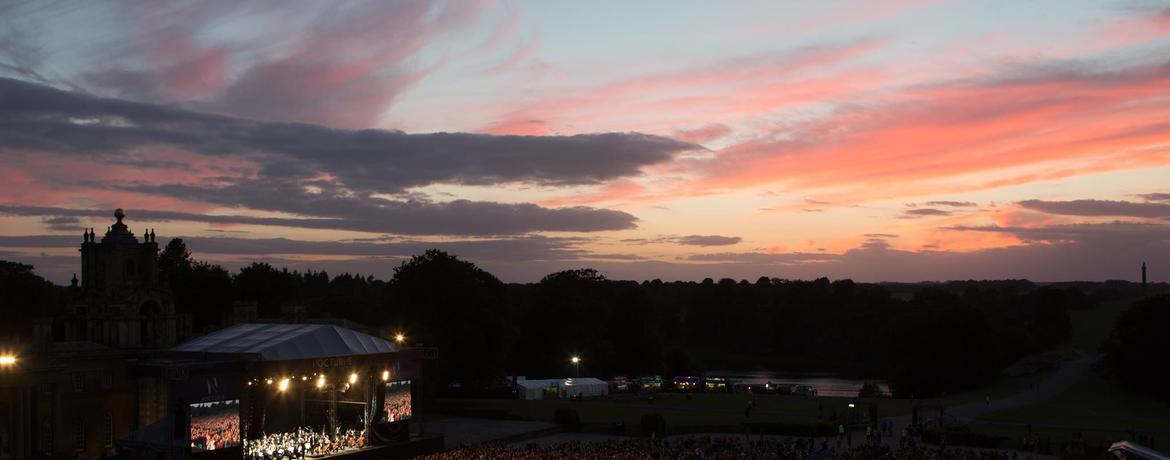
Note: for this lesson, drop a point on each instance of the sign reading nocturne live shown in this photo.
(215, 425)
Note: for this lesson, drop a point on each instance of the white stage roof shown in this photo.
(283, 342)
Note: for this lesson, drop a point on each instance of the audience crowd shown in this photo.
(717, 448)
(397, 405)
(215, 431)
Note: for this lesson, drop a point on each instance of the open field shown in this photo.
(1093, 404)
(1092, 326)
(1096, 404)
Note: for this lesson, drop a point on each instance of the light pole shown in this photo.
(576, 366)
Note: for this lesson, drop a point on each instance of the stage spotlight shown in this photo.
(399, 337)
(7, 360)
(268, 382)
(385, 375)
(283, 384)
(321, 382)
(304, 377)
(353, 378)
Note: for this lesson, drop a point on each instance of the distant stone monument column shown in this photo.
(1143, 276)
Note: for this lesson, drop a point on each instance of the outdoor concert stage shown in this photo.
(268, 391)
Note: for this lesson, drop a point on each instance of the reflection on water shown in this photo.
(825, 384)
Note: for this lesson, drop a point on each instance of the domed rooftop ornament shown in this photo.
(119, 233)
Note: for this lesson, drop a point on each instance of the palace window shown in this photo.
(78, 382)
(79, 435)
(109, 434)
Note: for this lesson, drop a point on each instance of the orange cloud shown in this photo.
(941, 131)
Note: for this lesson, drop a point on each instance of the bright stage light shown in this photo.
(304, 377)
(7, 360)
(399, 337)
(353, 378)
(283, 384)
(575, 360)
(321, 382)
(385, 375)
(268, 382)
(851, 405)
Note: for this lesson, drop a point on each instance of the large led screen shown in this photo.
(215, 425)
(397, 403)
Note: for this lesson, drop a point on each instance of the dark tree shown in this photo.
(1139, 345)
(24, 296)
(205, 291)
(439, 300)
(174, 260)
(269, 287)
(940, 346)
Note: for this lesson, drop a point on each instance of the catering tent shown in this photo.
(560, 388)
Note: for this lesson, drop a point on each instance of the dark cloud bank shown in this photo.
(336, 178)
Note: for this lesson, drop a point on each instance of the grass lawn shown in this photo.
(1096, 405)
(1092, 326)
(1003, 387)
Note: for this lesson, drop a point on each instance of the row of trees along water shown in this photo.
(924, 339)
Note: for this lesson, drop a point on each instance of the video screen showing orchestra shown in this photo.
(397, 403)
(214, 425)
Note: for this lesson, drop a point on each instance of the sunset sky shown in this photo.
(875, 140)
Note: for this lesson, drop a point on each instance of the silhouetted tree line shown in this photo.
(924, 338)
(23, 297)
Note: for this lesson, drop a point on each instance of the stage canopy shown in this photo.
(286, 342)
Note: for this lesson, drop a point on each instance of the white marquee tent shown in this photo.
(561, 388)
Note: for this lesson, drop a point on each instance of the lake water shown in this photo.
(826, 385)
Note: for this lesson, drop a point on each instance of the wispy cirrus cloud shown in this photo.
(356, 58)
(687, 240)
(695, 94)
(953, 204)
(1108, 208)
(925, 212)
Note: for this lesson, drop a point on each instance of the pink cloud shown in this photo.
(1146, 26)
(746, 84)
(931, 132)
(344, 69)
(707, 133)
